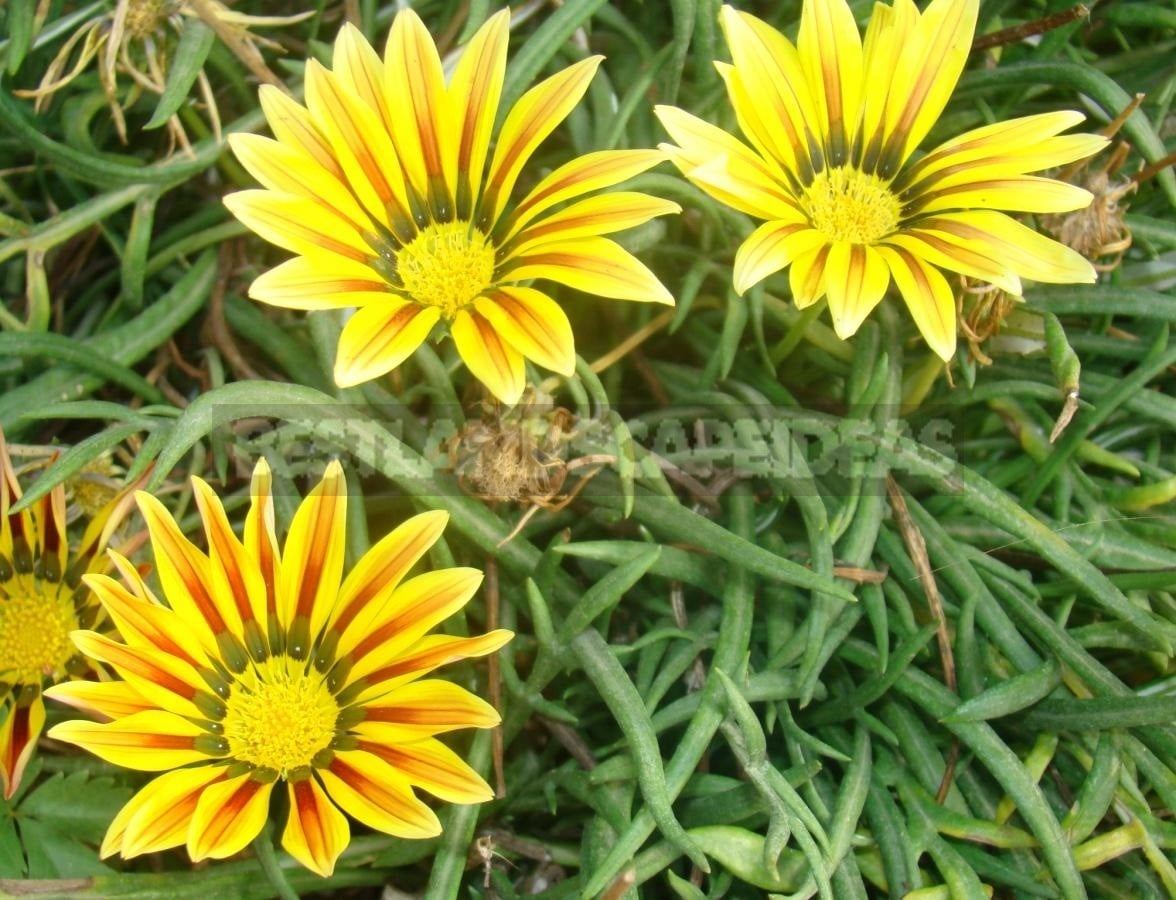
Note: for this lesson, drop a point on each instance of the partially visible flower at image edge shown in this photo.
(385, 186)
(833, 126)
(268, 665)
(42, 600)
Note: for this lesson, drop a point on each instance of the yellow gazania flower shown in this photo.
(834, 125)
(42, 600)
(385, 186)
(264, 667)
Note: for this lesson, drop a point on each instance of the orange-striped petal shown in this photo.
(362, 146)
(18, 737)
(532, 119)
(312, 559)
(595, 265)
(261, 541)
(109, 699)
(151, 741)
(316, 832)
(311, 282)
(533, 324)
(806, 276)
(432, 766)
(416, 90)
(158, 816)
(496, 364)
(830, 51)
(424, 708)
(427, 654)
(586, 173)
(167, 681)
(602, 214)
(928, 296)
(475, 91)
(291, 124)
(379, 337)
(856, 277)
(371, 791)
(369, 584)
(413, 609)
(288, 169)
(228, 815)
(298, 224)
(235, 578)
(770, 248)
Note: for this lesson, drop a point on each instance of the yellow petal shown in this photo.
(1023, 193)
(949, 251)
(312, 559)
(236, 581)
(602, 214)
(183, 572)
(291, 124)
(425, 137)
(427, 708)
(109, 699)
(830, 51)
(369, 584)
(261, 541)
(770, 248)
(768, 90)
(379, 337)
(370, 790)
(361, 72)
(531, 120)
(929, 298)
(925, 76)
(491, 360)
(289, 170)
(724, 167)
(361, 143)
(806, 276)
(18, 738)
(316, 832)
(594, 265)
(1019, 247)
(168, 682)
(228, 815)
(1026, 144)
(414, 608)
(856, 277)
(157, 818)
(427, 654)
(298, 224)
(311, 282)
(432, 766)
(586, 173)
(475, 91)
(151, 741)
(533, 324)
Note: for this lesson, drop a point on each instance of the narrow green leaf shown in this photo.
(196, 39)
(1015, 694)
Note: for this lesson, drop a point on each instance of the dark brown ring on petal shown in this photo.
(210, 744)
(255, 641)
(216, 681)
(324, 654)
(212, 707)
(298, 638)
(338, 674)
(232, 651)
(6, 570)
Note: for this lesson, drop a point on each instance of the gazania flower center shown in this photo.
(35, 622)
(279, 716)
(847, 205)
(447, 265)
